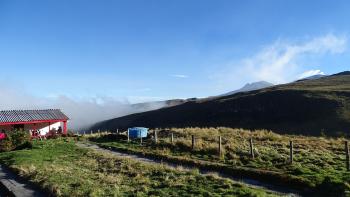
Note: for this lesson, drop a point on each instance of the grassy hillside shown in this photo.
(63, 169)
(318, 164)
(310, 107)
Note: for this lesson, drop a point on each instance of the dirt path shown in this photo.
(12, 185)
(251, 183)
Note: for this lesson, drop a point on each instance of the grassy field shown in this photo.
(319, 162)
(63, 169)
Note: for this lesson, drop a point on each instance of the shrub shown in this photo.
(27, 144)
(16, 140)
(19, 138)
(6, 145)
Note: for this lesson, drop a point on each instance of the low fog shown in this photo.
(82, 113)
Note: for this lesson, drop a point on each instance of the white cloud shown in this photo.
(280, 61)
(310, 73)
(180, 76)
(82, 112)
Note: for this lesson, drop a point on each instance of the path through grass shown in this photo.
(319, 162)
(63, 169)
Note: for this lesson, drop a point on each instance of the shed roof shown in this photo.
(22, 116)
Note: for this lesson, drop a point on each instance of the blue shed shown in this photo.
(137, 132)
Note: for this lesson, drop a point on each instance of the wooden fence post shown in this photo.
(193, 142)
(155, 137)
(347, 156)
(251, 148)
(140, 137)
(220, 151)
(128, 135)
(172, 138)
(290, 151)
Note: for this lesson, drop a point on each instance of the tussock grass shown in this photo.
(319, 162)
(63, 169)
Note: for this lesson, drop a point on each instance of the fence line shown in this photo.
(193, 142)
(251, 148)
(220, 146)
(347, 156)
(291, 152)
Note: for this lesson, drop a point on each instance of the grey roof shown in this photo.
(31, 115)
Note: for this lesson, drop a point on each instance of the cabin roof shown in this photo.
(23, 116)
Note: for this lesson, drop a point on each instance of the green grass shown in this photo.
(319, 162)
(63, 169)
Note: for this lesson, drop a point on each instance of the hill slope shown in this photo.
(303, 107)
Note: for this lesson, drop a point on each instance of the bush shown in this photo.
(6, 145)
(16, 140)
(19, 137)
(27, 144)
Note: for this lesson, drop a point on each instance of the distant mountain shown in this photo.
(313, 77)
(250, 87)
(310, 107)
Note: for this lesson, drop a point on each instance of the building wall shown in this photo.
(42, 127)
(55, 126)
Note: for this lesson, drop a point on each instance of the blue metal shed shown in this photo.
(137, 132)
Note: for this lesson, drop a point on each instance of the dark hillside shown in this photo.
(305, 107)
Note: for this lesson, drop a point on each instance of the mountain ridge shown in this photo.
(250, 87)
(310, 107)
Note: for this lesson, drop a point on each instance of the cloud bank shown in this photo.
(280, 61)
(83, 112)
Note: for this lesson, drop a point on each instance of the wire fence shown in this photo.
(215, 143)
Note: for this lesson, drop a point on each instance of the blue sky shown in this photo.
(140, 50)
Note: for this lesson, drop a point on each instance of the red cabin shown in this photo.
(39, 122)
